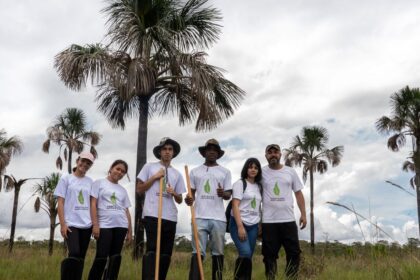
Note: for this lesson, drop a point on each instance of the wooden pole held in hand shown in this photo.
(159, 229)
(195, 231)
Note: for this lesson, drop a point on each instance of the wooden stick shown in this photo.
(159, 229)
(195, 231)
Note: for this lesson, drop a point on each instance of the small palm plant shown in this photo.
(47, 202)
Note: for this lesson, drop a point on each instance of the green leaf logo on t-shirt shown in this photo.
(207, 186)
(276, 189)
(113, 198)
(81, 198)
(253, 203)
(164, 185)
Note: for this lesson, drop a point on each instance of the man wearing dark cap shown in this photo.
(210, 184)
(173, 187)
(279, 227)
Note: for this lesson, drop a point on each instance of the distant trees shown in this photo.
(47, 202)
(403, 122)
(310, 151)
(69, 132)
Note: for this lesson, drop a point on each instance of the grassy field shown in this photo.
(332, 261)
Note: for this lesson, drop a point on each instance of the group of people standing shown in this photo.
(262, 203)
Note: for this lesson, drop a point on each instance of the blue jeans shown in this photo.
(245, 248)
(213, 231)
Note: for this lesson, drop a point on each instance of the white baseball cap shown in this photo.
(87, 155)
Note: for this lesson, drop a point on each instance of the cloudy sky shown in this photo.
(328, 63)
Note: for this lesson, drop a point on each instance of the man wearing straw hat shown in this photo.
(173, 187)
(210, 184)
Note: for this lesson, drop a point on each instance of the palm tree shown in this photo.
(405, 121)
(154, 64)
(69, 132)
(8, 147)
(11, 183)
(48, 203)
(310, 151)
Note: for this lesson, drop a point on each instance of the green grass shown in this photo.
(332, 261)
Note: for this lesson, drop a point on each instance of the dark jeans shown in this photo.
(167, 236)
(246, 247)
(78, 241)
(275, 236)
(110, 242)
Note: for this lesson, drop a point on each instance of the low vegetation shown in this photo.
(332, 260)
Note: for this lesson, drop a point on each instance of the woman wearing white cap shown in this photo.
(73, 192)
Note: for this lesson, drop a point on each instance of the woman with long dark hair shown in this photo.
(245, 216)
(111, 221)
(73, 191)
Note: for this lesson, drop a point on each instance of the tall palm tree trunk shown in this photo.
(69, 160)
(418, 198)
(141, 161)
(52, 230)
(416, 160)
(311, 181)
(14, 215)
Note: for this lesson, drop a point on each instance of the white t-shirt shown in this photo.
(205, 180)
(76, 194)
(112, 203)
(278, 188)
(250, 205)
(151, 200)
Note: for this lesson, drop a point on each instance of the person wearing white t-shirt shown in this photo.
(210, 185)
(245, 216)
(111, 221)
(148, 182)
(73, 209)
(279, 227)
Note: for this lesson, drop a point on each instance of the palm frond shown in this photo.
(321, 166)
(59, 163)
(195, 25)
(46, 146)
(384, 124)
(408, 166)
(9, 182)
(115, 108)
(37, 204)
(93, 151)
(76, 64)
(400, 187)
(65, 153)
(94, 137)
(396, 141)
(335, 155)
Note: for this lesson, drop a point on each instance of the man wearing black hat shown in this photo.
(278, 220)
(173, 187)
(210, 184)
